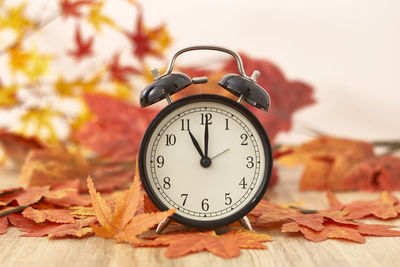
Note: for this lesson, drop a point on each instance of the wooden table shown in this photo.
(285, 250)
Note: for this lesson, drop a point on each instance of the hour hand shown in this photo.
(196, 144)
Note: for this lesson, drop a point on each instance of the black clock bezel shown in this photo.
(267, 154)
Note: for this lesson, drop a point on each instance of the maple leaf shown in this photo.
(118, 72)
(268, 212)
(17, 146)
(52, 215)
(15, 19)
(59, 165)
(83, 48)
(378, 173)
(72, 9)
(31, 63)
(114, 134)
(8, 96)
(349, 232)
(97, 19)
(286, 96)
(26, 197)
(55, 165)
(327, 161)
(383, 208)
(3, 225)
(80, 228)
(226, 246)
(148, 42)
(39, 122)
(122, 223)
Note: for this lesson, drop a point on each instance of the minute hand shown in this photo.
(196, 144)
(206, 140)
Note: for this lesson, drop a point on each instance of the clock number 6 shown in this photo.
(204, 205)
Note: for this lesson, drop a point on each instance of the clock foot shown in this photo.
(245, 223)
(162, 225)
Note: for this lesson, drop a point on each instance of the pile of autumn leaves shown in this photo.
(128, 216)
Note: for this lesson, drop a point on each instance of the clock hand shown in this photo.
(206, 139)
(219, 154)
(196, 144)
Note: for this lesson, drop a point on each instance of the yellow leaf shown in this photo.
(97, 19)
(39, 122)
(161, 37)
(7, 96)
(30, 63)
(14, 18)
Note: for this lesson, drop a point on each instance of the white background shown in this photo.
(348, 50)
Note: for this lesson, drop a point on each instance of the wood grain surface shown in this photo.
(285, 250)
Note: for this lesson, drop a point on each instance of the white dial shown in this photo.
(216, 179)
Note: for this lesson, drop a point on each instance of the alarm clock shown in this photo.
(205, 155)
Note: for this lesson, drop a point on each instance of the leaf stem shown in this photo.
(14, 210)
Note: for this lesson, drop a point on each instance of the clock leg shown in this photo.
(245, 223)
(162, 225)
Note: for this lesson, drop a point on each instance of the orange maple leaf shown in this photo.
(328, 161)
(52, 215)
(122, 224)
(383, 208)
(353, 233)
(226, 246)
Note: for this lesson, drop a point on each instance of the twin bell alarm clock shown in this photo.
(205, 155)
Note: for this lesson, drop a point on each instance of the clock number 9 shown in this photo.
(250, 162)
(204, 204)
(160, 161)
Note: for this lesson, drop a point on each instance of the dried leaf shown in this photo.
(118, 72)
(98, 19)
(15, 18)
(225, 246)
(117, 131)
(17, 146)
(327, 161)
(72, 9)
(330, 231)
(383, 208)
(3, 225)
(27, 197)
(78, 229)
(349, 232)
(82, 48)
(55, 165)
(122, 224)
(146, 41)
(378, 173)
(52, 215)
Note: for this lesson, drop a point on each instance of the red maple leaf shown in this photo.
(286, 96)
(71, 9)
(118, 72)
(141, 40)
(117, 130)
(83, 48)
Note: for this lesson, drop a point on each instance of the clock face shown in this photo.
(208, 157)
